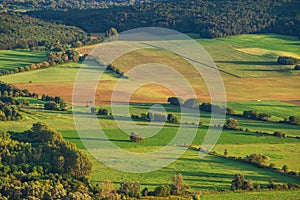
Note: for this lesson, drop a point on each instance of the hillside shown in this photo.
(208, 18)
(22, 31)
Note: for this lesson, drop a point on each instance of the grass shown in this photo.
(253, 55)
(211, 173)
(260, 78)
(278, 110)
(12, 59)
(262, 195)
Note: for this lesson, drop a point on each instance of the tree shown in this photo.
(191, 103)
(130, 189)
(287, 60)
(294, 120)
(162, 191)
(51, 105)
(176, 101)
(179, 187)
(285, 168)
(231, 123)
(103, 111)
(257, 159)
(105, 190)
(134, 137)
(44, 133)
(239, 183)
(93, 110)
(172, 118)
(225, 152)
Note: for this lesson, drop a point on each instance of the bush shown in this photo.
(294, 120)
(162, 191)
(231, 124)
(176, 101)
(134, 137)
(239, 183)
(102, 111)
(51, 105)
(130, 189)
(279, 134)
(286, 60)
(191, 103)
(172, 118)
(297, 67)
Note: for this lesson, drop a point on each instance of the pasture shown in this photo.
(209, 173)
(12, 59)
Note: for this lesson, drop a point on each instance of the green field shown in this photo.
(278, 110)
(262, 195)
(253, 55)
(60, 73)
(12, 59)
(210, 173)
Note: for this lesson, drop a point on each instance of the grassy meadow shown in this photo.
(12, 59)
(209, 173)
(252, 79)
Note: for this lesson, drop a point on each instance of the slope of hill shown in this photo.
(208, 18)
(22, 31)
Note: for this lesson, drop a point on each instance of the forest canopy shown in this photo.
(208, 18)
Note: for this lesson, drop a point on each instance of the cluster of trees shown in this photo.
(291, 120)
(61, 56)
(178, 188)
(40, 164)
(58, 55)
(53, 103)
(156, 117)
(287, 60)
(252, 114)
(208, 18)
(115, 70)
(24, 32)
(9, 106)
(240, 183)
(194, 103)
(101, 111)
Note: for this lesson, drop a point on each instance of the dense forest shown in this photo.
(22, 31)
(210, 19)
(64, 4)
(40, 164)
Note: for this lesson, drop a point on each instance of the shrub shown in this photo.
(294, 120)
(191, 103)
(162, 191)
(231, 123)
(297, 67)
(176, 101)
(286, 60)
(102, 111)
(130, 189)
(51, 105)
(172, 118)
(179, 187)
(279, 134)
(134, 137)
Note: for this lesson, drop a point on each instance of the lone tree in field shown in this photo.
(179, 187)
(231, 124)
(172, 118)
(134, 137)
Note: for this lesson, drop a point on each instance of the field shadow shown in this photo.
(248, 62)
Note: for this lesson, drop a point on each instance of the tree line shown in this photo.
(207, 18)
